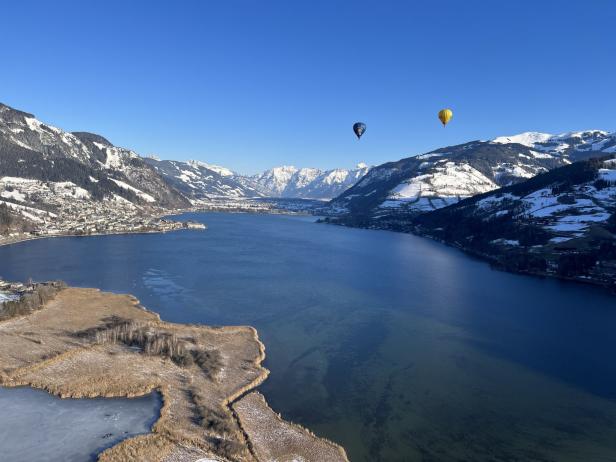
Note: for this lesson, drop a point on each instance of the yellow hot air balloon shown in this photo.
(445, 116)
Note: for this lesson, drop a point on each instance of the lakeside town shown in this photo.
(64, 209)
(36, 209)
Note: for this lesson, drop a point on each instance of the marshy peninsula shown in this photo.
(84, 343)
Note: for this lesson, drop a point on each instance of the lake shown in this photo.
(396, 347)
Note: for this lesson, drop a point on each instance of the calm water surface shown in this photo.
(396, 347)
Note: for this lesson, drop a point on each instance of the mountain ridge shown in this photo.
(560, 223)
(441, 177)
(44, 169)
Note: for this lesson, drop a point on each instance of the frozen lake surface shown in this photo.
(36, 426)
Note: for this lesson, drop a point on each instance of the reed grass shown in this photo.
(30, 301)
(154, 341)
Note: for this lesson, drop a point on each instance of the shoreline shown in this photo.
(25, 237)
(486, 258)
(113, 233)
(51, 236)
(496, 264)
(80, 368)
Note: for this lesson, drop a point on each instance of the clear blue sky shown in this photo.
(252, 84)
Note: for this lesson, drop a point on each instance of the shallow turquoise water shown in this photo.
(397, 347)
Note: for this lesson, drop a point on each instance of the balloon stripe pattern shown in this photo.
(445, 116)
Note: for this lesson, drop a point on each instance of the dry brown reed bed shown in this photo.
(85, 343)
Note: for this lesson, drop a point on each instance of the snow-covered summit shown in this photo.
(308, 183)
(526, 139)
(224, 171)
(564, 143)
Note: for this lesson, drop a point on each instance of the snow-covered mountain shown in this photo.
(442, 177)
(562, 222)
(307, 183)
(578, 145)
(43, 168)
(565, 203)
(46, 161)
(276, 181)
(200, 181)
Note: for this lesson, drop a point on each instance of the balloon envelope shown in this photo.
(359, 128)
(445, 116)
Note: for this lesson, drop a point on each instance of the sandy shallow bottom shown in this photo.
(70, 429)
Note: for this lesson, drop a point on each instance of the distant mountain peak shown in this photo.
(526, 138)
(306, 182)
(533, 139)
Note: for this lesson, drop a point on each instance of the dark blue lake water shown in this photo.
(396, 347)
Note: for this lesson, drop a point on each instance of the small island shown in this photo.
(84, 343)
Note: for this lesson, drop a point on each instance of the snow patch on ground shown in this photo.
(559, 239)
(15, 195)
(429, 155)
(146, 197)
(494, 201)
(447, 184)
(67, 188)
(508, 242)
(223, 171)
(17, 180)
(541, 155)
(607, 175)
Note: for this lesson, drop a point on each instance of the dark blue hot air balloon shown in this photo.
(359, 128)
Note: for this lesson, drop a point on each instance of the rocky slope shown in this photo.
(87, 163)
(200, 181)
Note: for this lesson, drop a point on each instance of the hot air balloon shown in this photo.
(359, 128)
(445, 116)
